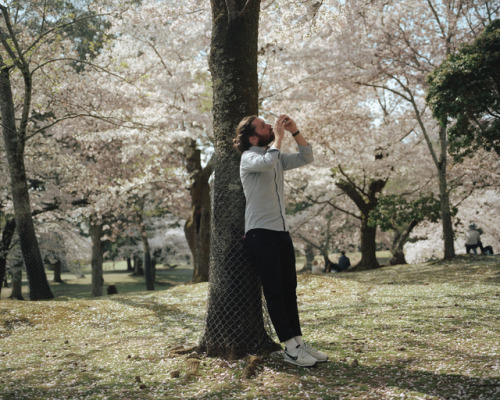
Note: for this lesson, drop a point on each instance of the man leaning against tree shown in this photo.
(267, 238)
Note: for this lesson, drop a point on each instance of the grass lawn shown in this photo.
(426, 331)
(113, 274)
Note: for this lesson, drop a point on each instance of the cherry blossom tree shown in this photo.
(393, 46)
(136, 112)
(329, 47)
(197, 227)
(30, 34)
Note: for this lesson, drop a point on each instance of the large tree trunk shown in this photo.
(14, 147)
(7, 235)
(148, 262)
(234, 325)
(368, 247)
(365, 200)
(398, 255)
(97, 278)
(197, 227)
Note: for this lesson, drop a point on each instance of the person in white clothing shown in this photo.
(473, 240)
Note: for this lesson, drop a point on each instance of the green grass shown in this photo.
(427, 331)
(113, 274)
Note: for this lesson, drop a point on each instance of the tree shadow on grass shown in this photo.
(187, 322)
(462, 269)
(398, 377)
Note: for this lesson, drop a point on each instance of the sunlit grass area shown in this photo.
(114, 273)
(427, 331)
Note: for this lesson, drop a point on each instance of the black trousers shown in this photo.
(273, 257)
(473, 247)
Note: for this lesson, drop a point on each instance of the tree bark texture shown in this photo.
(57, 271)
(448, 234)
(400, 239)
(197, 227)
(309, 252)
(14, 147)
(97, 279)
(148, 262)
(365, 200)
(7, 236)
(17, 282)
(138, 270)
(234, 325)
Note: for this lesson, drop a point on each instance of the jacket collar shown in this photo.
(258, 149)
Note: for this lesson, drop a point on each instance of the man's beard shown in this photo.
(263, 142)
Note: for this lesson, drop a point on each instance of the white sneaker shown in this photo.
(303, 358)
(321, 357)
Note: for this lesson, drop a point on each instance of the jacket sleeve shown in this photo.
(303, 157)
(254, 162)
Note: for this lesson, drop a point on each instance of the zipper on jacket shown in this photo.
(279, 200)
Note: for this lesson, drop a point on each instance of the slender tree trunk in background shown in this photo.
(14, 148)
(309, 252)
(148, 264)
(7, 235)
(97, 279)
(326, 257)
(129, 264)
(400, 239)
(234, 325)
(398, 256)
(197, 227)
(57, 272)
(153, 266)
(138, 270)
(448, 234)
(17, 282)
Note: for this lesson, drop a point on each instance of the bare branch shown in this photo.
(353, 184)
(232, 14)
(433, 9)
(3, 37)
(244, 9)
(342, 210)
(60, 27)
(384, 88)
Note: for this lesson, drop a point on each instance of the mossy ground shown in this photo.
(426, 331)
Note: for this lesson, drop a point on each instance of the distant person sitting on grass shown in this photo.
(473, 240)
(329, 265)
(344, 262)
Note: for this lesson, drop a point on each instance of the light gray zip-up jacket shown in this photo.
(261, 173)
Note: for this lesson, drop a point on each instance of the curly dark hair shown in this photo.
(244, 132)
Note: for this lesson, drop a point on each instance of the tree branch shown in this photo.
(19, 59)
(232, 14)
(60, 27)
(244, 9)
(342, 210)
(384, 88)
(353, 184)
